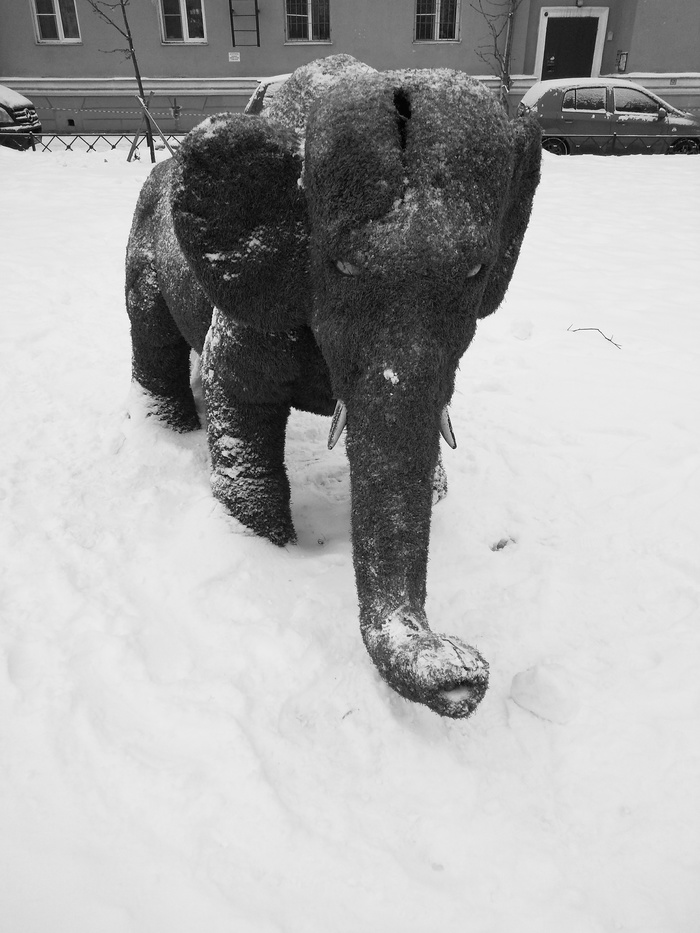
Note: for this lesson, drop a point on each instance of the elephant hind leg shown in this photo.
(161, 359)
(164, 373)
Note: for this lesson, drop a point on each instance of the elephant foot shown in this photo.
(253, 505)
(175, 417)
(177, 413)
(440, 671)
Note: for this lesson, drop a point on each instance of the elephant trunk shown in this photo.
(392, 445)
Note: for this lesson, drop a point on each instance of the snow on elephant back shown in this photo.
(334, 254)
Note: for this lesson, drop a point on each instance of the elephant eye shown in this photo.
(475, 270)
(346, 268)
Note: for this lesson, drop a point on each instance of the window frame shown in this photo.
(61, 39)
(185, 40)
(309, 22)
(436, 22)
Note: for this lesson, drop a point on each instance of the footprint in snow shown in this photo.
(545, 691)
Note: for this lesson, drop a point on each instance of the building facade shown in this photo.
(202, 56)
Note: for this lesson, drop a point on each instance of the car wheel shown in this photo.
(555, 146)
(686, 146)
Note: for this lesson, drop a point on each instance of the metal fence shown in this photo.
(131, 143)
(134, 143)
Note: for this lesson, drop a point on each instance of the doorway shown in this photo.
(568, 47)
(570, 42)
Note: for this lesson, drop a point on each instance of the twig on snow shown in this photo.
(609, 339)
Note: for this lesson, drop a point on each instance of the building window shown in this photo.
(183, 20)
(436, 20)
(56, 21)
(308, 20)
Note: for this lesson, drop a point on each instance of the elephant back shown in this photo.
(291, 104)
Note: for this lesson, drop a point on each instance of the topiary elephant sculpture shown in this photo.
(345, 280)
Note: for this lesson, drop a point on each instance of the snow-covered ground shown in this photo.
(192, 737)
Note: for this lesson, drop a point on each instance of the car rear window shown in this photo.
(584, 98)
(627, 100)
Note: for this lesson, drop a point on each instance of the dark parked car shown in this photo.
(608, 116)
(18, 120)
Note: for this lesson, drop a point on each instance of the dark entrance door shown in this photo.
(568, 46)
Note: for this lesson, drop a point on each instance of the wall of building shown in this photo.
(380, 33)
(86, 87)
(666, 36)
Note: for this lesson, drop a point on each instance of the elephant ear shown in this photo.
(527, 151)
(240, 218)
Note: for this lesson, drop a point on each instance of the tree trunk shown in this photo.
(139, 82)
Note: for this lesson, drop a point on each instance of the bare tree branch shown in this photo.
(97, 7)
(125, 52)
(499, 16)
(574, 330)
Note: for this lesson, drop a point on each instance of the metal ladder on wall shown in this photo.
(245, 22)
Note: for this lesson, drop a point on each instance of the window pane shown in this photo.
(628, 100)
(569, 101)
(46, 19)
(448, 19)
(297, 19)
(424, 27)
(48, 28)
(425, 19)
(172, 20)
(297, 27)
(173, 27)
(590, 98)
(195, 20)
(320, 20)
(69, 19)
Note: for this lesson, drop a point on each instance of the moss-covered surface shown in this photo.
(355, 268)
(240, 218)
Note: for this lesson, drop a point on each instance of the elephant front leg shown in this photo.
(246, 443)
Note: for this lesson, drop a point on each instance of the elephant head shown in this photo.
(376, 261)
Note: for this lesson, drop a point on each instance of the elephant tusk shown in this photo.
(446, 428)
(340, 417)
(346, 268)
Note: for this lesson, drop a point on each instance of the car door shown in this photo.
(637, 122)
(585, 119)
